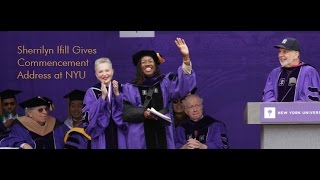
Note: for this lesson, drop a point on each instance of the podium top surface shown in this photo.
(282, 113)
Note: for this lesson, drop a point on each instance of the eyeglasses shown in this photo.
(196, 106)
(9, 103)
(177, 100)
(40, 110)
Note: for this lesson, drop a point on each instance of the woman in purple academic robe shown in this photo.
(103, 109)
(152, 89)
(37, 129)
(293, 80)
(200, 131)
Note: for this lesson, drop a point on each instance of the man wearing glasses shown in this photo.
(179, 114)
(36, 129)
(8, 109)
(200, 131)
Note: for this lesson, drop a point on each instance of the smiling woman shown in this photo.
(152, 90)
(102, 106)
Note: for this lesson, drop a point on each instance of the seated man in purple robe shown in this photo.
(151, 89)
(8, 111)
(76, 137)
(179, 114)
(37, 129)
(103, 107)
(294, 80)
(75, 104)
(200, 131)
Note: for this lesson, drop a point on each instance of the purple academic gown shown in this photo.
(81, 141)
(171, 89)
(20, 134)
(215, 138)
(308, 77)
(99, 115)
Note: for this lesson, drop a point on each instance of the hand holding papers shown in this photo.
(159, 115)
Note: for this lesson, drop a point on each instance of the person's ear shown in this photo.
(185, 111)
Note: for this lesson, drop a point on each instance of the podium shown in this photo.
(286, 125)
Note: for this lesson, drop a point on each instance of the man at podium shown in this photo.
(294, 80)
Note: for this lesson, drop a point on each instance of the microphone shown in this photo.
(292, 83)
(196, 132)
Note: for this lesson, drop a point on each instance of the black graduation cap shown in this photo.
(9, 93)
(75, 95)
(37, 101)
(137, 56)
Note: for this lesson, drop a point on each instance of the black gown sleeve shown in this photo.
(132, 113)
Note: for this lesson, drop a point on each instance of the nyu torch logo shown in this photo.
(269, 113)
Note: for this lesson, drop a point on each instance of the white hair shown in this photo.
(102, 60)
(26, 111)
(185, 101)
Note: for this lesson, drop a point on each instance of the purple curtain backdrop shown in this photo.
(231, 67)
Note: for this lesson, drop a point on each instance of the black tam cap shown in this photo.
(289, 44)
(137, 56)
(37, 101)
(75, 95)
(9, 93)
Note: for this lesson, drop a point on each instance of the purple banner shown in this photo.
(290, 112)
